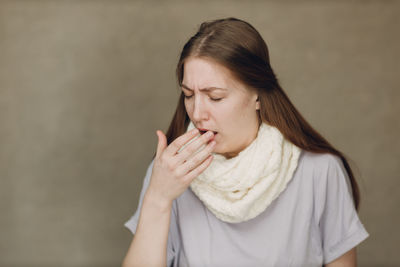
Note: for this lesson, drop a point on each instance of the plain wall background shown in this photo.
(84, 85)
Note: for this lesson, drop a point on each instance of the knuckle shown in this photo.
(197, 144)
(181, 140)
(170, 166)
(191, 164)
(205, 137)
(188, 179)
(177, 173)
(204, 153)
(161, 160)
(191, 149)
(174, 145)
(198, 158)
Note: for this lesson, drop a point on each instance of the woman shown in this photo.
(241, 179)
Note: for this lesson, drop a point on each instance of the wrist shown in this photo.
(157, 201)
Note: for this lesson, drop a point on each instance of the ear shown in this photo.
(258, 103)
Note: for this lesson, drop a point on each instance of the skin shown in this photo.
(235, 119)
(171, 176)
(349, 259)
(230, 111)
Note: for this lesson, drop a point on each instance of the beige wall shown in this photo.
(85, 84)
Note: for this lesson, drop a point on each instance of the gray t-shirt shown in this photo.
(311, 223)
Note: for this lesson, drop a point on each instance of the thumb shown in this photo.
(162, 143)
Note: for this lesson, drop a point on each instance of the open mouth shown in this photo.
(204, 131)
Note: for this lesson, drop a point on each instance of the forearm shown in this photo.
(149, 245)
(349, 259)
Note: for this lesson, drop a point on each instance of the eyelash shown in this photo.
(213, 99)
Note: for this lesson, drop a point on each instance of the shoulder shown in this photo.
(320, 160)
(320, 163)
(330, 182)
(324, 169)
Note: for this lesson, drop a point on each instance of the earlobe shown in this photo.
(258, 103)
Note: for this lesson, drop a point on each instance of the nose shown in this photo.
(199, 110)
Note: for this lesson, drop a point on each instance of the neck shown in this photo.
(229, 155)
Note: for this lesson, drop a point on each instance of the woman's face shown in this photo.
(215, 101)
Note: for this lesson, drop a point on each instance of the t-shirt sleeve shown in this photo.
(132, 223)
(339, 224)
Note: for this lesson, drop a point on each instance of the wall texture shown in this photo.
(85, 84)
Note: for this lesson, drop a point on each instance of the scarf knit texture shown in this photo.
(240, 188)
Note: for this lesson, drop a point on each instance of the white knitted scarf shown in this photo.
(240, 188)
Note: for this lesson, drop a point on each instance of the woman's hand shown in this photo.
(174, 169)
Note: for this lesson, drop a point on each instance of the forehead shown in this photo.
(200, 73)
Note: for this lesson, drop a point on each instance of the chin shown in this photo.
(219, 148)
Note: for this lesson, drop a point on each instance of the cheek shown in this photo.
(246, 109)
(188, 108)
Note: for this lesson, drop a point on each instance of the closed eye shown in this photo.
(213, 99)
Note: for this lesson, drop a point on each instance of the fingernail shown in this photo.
(209, 134)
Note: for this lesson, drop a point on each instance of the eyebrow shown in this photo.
(207, 89)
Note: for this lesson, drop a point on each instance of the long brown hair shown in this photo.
(238, 46)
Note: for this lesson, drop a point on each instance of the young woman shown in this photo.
(241, 179)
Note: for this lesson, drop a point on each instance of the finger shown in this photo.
(162, 143)
(195, 160)
(193, 147)
(197, 171)
(173, 148)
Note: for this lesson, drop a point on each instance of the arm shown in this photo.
(149, 244)
(349, 259)
(172, 173)
(340, 227)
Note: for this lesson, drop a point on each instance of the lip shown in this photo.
(203, 131)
